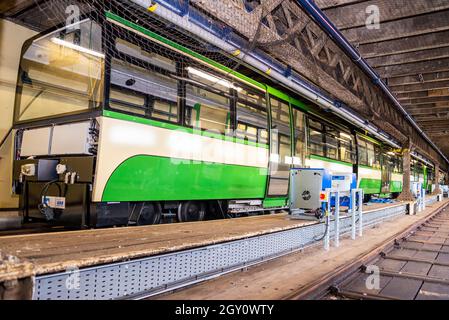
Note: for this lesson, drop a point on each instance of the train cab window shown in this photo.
(61, 73)
(252, 116)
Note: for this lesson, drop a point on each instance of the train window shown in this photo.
(165, 110)
(207, 110)
(298, 128)
(369, 153)
(346, 147)
(127, 100)
(252, 121)
(130, 82)
(377, 157)
(138, 52)
(280, 113)
(315, 124)
(280, 158)
(316, 144)
(62, 72)
(331, 147)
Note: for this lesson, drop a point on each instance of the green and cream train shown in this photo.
(116, 124)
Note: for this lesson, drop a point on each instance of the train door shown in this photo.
(280, 149)
(387, 170)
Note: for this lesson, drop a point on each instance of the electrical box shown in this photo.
(72, 138)
(306, 186)
(344, 182)
(36, 142)
(66, 139)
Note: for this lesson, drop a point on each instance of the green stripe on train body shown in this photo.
(274, 202)
(396, 186)
(151, 178)
(370, 186)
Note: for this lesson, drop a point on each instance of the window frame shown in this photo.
(334, 132)
(114, 53)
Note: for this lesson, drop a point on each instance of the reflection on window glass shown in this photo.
(152, 58)
(208, 110)
(331, 147)
(62, 73)
(144, 92)
(346, 147)
(128, 101)
(316, 144)
(280, 158)
(369, 153)
(298, 127)
(252, 120)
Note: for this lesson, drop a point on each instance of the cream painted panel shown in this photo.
(330, 166)
(120, 140)
(396, 177)
(368, 174)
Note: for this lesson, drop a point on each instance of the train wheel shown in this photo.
(191, 211)
(150, 213)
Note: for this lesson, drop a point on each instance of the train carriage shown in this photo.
(156, 128)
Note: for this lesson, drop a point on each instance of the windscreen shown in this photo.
(61, 73)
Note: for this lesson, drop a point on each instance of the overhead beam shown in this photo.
(423, 24)
(430, 108)
(426, 86)
(324, 4)
(11, 7)
(409, 57)
(424, 101)
(414, 68)
(404, 45)
(354, 15)
(423, 94)
(426, 77)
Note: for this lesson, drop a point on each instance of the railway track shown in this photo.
(412, 266)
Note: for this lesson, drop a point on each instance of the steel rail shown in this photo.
(322, 286)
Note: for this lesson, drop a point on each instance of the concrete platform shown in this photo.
(57, 251)
(134, 260)
(53, 252)
(278, 278)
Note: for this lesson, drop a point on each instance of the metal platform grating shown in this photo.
(152, 275)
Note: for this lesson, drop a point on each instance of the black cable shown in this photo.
(326, 230)
(43, 194)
